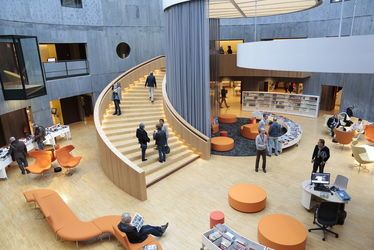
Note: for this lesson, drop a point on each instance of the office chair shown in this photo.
(327, 216)
(341, 182)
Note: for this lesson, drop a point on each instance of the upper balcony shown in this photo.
(62, 60)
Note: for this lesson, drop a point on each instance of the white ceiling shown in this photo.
(248, 8)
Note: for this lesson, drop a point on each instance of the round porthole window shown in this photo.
(123, 50)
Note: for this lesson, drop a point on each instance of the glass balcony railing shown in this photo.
(64, 69)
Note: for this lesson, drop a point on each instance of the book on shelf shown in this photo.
(225, 244)
(214, 236)
(150, 247)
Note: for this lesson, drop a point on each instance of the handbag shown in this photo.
(57, 169)
(167, 149)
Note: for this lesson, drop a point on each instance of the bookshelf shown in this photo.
(294, 104)
(223, 237)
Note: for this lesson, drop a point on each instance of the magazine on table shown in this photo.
(137, 221)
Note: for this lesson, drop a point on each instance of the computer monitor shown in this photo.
(321, 178)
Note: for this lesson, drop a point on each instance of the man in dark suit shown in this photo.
(132, 233)
(18, 151)
(143, 139)
(160, 137)
(320, 155)
(151, 84)
(39, 136)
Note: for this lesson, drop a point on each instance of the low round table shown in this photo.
(222, 143)
(227, 118)
(280, 231)
(247, 198)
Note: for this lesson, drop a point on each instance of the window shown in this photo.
(72, 3)
(123, 50)
(21, 73)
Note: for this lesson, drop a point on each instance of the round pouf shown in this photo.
(222, 143)
(280, 231)
(216, 217)
(223, 133)
(227, 118)
(247, 198)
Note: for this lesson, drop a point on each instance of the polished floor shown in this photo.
(185, 198)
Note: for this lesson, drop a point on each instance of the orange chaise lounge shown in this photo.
(66, 159)
(67, 226)
(42, 161)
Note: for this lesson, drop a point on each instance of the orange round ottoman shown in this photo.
(247, 198)
(222, 143)
(283, 232)
(227, 118)
(216, 217)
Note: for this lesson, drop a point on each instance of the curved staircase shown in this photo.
(136, 108)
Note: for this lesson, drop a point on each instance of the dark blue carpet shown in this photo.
(243, 146)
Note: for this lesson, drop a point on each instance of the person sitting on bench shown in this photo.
(132, 233)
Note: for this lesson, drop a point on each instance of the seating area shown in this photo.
(249, 131)
(67, 226)
(344, 137)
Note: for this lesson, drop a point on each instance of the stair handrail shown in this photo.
(111, 158)
(193, 137)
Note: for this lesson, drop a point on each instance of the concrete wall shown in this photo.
(322, 21)
(100, 24)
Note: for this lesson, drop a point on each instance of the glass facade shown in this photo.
(21, 72)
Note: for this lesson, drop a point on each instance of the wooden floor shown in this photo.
(185, 198)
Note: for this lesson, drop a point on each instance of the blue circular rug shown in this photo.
(243, 146)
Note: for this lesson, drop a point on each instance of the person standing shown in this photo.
(164, 127)
(160, 137)
(229, 50)
(264, 121)
(261, 145)
(320, 156)
(150, 82)
(39, 135)
(223, 97)
(143, 139)
(275, 131)
(116, 97)
(18, 152)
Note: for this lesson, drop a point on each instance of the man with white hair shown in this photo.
(261, 145)
(18, 151)
(132, 233)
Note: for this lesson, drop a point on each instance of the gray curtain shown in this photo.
(187, 60)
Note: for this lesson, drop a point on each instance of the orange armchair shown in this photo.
(122, 238)
(369, 132)
(42, 161)
(66, 159)
(344, 137)
(249, 131)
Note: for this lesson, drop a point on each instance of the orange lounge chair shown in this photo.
(65, 159)
(249, 131)
(63, 221)
(42, 161)
(122, 238)
(344, 137)
(369, 132)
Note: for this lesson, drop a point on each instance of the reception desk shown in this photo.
(308, 193)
